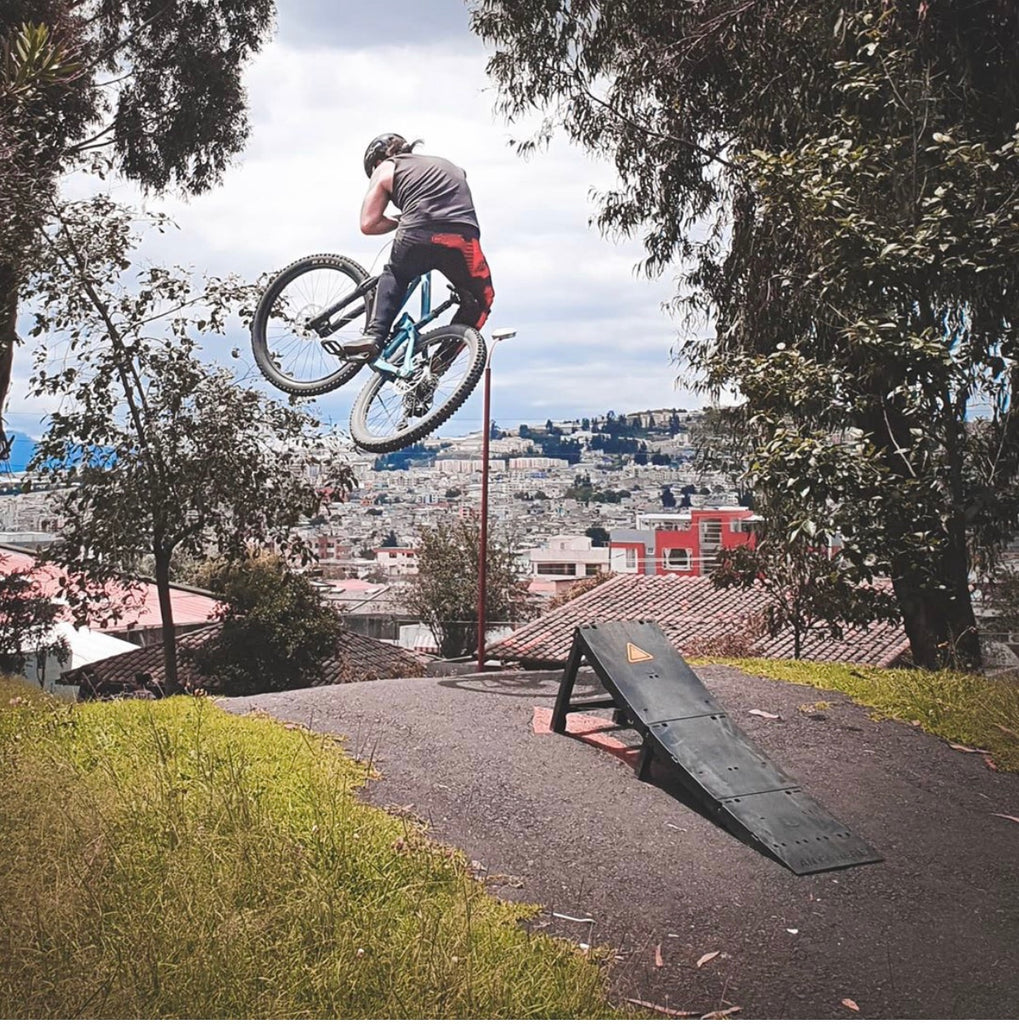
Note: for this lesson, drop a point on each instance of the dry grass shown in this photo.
(166, 859)
(973, 710)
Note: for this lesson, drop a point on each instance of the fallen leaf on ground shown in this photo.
(1011, 817)
(989, 761)
(762, 714)
(721, 1014)
(509, 880)
(915, 721)
(1005, 729)
(659, 962)
(850, 1004)
(707, 956)
(968, 750)
(663, 1009)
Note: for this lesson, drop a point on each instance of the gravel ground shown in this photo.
(932, 932)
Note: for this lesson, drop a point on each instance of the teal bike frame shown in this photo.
(407, 329)
(391, 362)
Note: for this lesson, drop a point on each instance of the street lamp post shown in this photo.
(500, 335)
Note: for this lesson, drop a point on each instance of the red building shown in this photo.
(682, 543)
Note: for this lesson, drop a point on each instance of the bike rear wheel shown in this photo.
(392, 412)
(289, 351)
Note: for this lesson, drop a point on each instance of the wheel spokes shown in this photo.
(295, 348)
(399, 405)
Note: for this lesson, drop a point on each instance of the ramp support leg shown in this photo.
(644, 761)
(562, 701)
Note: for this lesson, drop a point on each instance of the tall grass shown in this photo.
(166, 859)
(964, 708)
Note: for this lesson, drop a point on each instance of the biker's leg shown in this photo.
(407, 259)
(464, 264)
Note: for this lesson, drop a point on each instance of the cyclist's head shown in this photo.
(384, 146)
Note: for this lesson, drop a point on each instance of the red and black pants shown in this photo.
(455, 254)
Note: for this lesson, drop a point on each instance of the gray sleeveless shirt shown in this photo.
(433, 193)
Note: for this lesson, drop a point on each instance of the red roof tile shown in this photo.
(138, 605)
(881, 643)
(356, 658)
(688, 608)
(697, 617)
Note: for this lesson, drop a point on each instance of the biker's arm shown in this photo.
(373, 210)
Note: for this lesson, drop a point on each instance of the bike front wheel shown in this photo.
(392, 412)
(290, 341)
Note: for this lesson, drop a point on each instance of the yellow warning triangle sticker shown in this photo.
(635, 654)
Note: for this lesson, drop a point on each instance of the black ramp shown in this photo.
(721, 770)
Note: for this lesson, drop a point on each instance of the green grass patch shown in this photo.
(167, 859)
(972, 710)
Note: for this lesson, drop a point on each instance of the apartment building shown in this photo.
(567, 555)
(684, 543)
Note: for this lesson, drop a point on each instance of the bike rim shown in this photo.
(297, 351)
(394, 411)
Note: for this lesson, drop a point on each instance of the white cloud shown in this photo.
(592, 334)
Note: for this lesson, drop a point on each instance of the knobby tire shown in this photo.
(370, 405)
(264, 324)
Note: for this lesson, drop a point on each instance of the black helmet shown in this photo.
(380, 147)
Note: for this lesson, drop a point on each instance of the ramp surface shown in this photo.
(725, 775)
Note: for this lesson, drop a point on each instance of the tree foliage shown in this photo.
(1002, 593)
(27, 618)
(276, 631)
(811, 551)
(444, 593)
(37, 75)
(599, 536)
(150, 89)
(837, 186)
(161, 452)
(578, 589)
(723, 444)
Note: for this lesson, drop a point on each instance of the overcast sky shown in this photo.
(592, 334)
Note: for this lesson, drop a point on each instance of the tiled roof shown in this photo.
(138, 605)
(881, 643)
(697, 617)
(356, 658)
(688, 608)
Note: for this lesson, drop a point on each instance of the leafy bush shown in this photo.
(276, 630)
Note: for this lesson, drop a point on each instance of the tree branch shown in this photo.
(135, 399)
(626, 119)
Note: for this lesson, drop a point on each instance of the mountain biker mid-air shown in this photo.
(437, 229)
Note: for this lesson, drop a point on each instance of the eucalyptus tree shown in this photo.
(159, 451)
(837, 185)
(149, 89)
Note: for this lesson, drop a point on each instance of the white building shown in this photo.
(531, 462)
(568, 555)
(397, 561)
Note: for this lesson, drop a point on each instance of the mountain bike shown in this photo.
(419, 379)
